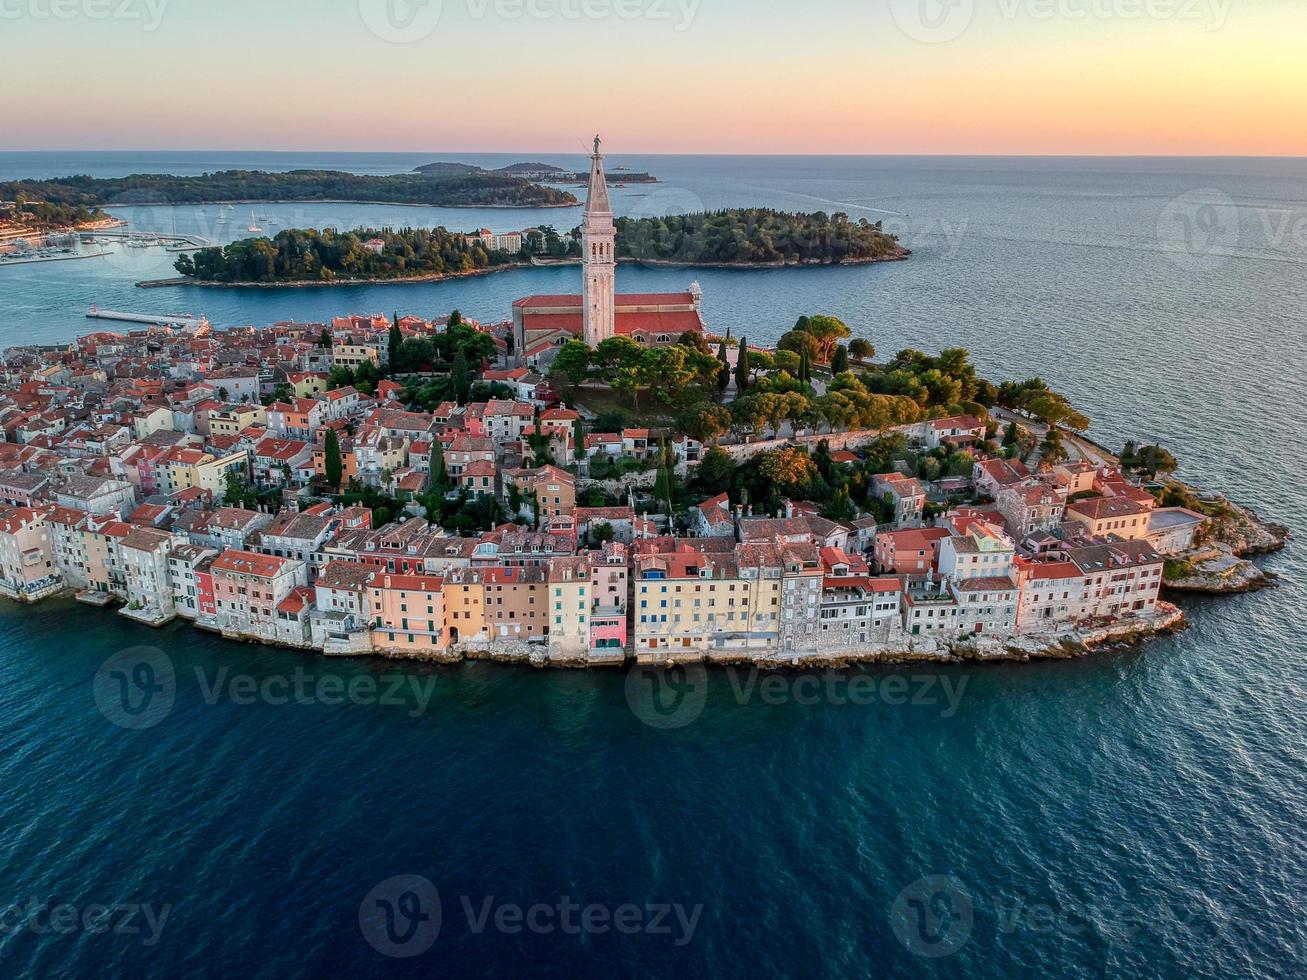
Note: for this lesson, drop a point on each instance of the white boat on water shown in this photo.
(254, 224)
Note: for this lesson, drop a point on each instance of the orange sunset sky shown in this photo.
(714, 76)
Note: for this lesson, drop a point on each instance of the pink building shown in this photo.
(609, 570)
(247, 588)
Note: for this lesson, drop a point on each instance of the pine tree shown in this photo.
(325, 340)
(742, 367)
(332, 466)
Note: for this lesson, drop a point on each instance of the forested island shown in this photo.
(470, 189)
(540, 171)
(738, 237)
(308, 255)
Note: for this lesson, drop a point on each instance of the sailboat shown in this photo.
(254, 224)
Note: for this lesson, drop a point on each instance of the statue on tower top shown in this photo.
(596, 144)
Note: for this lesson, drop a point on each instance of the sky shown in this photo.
(1111, 77)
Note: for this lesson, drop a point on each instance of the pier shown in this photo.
(193, 241)
(184, 320)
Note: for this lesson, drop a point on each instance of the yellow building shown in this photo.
(353, 355)
(569, 606)
(689, 602)
(231, 419)
(465, 604)
(187, 468)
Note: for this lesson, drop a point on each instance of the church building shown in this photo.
(542, 324)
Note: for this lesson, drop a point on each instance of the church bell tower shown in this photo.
(598, 260)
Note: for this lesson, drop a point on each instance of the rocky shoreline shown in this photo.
(1064, 645)
(1221, 565)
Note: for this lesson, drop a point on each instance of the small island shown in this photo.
(546, 172)
(742, 238)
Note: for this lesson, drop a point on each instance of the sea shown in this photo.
(172, 803)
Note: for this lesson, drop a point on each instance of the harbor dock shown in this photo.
(184, 320)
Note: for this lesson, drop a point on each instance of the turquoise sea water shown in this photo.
(1137, 813)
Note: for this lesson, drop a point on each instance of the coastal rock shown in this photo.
(1216, 569)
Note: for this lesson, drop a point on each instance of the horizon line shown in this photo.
(1031, 156)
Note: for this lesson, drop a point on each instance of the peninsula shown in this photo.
(388, 485)
(597, 479)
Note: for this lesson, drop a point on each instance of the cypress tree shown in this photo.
(461, 378)
(333, 469)
(439, 475)
(396, 340)
(742, 366)
(840, 359)
(723, 372)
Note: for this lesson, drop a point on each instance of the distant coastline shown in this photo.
(255, 202)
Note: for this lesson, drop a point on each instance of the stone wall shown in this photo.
(836, 440)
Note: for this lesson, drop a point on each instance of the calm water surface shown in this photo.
(1138, 813)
